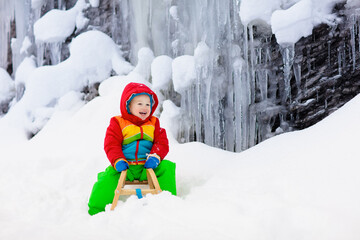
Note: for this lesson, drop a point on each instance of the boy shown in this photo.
(133, 141)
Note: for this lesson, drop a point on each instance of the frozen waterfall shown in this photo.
(240, 82)
(229, 103)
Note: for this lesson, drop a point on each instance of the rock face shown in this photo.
(323, 71)
(330, 70)
(251, 88)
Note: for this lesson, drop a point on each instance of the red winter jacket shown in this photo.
(114, 138)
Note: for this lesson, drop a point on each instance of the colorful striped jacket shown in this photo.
(131, 138)
(137, 140)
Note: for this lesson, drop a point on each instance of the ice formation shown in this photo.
(210, 52)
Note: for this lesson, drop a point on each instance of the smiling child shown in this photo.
(133, 141)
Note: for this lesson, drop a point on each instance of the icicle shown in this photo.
(264, 82)
(115, 21)
(55, 52)
(140, 17)
(341, 57)
(205, 100)
(40, 52)
(200, 114)
(184, 127)
(357, 12)
(252, 62)
(6, 16)
(245, 94)
(329, 53)
(268, 52)
(22, 16)
(352, 40)
(122, 27)
(297, 74)
(237, 75)
(252, 121)
(288, 53)
(52, 49)
(326, 103)
(344, 55)
(339, 61)
(242, 102)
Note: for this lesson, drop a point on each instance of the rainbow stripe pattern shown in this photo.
(137, 140)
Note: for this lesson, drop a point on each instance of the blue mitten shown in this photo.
(152, 162)
(121, 165)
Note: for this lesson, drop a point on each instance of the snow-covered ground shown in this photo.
(298, 185)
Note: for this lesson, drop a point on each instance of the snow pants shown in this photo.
(104, 189)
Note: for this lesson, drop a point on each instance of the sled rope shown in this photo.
(138, 193)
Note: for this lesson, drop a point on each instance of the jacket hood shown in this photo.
(131, 90)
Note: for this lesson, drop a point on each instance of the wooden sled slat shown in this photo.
(136, 182)
(118, 189)
(152, 182)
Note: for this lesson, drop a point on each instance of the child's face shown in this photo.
(140, 106)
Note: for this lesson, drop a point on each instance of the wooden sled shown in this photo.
(152, 182)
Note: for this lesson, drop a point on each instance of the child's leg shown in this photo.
(165, 174)
(103, 190)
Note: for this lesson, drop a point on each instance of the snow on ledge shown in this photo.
(56, 25)
(299, 20)
(290, 20)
